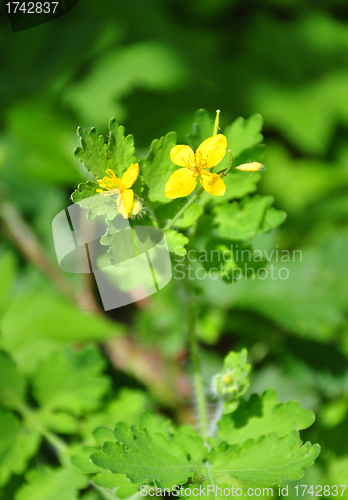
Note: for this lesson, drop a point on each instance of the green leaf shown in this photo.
(154, 423)
(84, 190)
(71, 381)
(169, 457)
(268, 460)
(127, 407)
(192, 213)
(12, 384)
(272, 219)
(255, 153)
(18, 443)
(57, 421)
(95, 203)
(93, 152)
(242, 221)
(151, 453)
(52, 484)
(176, 241)
(202, 128)
(121, 245)
(192, 445)
(261, 416)
(31, 337)
(124, 488)
(238, 184)
(145, 458)
(167, 211)
(243, 135)
(101, 478)
(82, 461)
(157, 167)
(120, 149)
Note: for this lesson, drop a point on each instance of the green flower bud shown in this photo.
(233, 381)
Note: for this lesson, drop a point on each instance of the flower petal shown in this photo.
(212, 183)
(182, 155)
(181, 183)
(130, 176)
(125, 203)
(213, 150)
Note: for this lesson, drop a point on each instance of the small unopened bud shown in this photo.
(138, 208)
(233, 381)
(254, 166)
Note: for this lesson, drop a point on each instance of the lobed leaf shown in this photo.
(144, 458)
(242, 221)
(176, 241)
(93, 152)
(120, 149)
(71, 381)
(268, 460)
(261, 416)
(52, 484)
(157, 167)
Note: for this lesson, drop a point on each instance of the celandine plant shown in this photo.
(175, 188)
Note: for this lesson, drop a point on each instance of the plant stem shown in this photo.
(184, 208)
(52, 438)
(202, 409)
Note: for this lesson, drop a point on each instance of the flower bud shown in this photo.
(233, 381)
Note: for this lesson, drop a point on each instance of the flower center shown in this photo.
(200, 162)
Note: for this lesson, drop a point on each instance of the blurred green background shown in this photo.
(151, 64)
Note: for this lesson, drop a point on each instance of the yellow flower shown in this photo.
(183, 181)
(127, 201)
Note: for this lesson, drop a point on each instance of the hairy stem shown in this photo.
(201, 402)
(183, 209)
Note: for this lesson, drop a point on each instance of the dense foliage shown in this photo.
(66, 372)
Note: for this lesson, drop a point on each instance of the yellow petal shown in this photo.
(181, 183)
(213, 150)
(251, 167)
(212, 183)
(125, 202)
(182, 155)
(130, 176)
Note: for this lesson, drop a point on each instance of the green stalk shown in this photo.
(183, 209)
(26, 412)
(202, 410)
